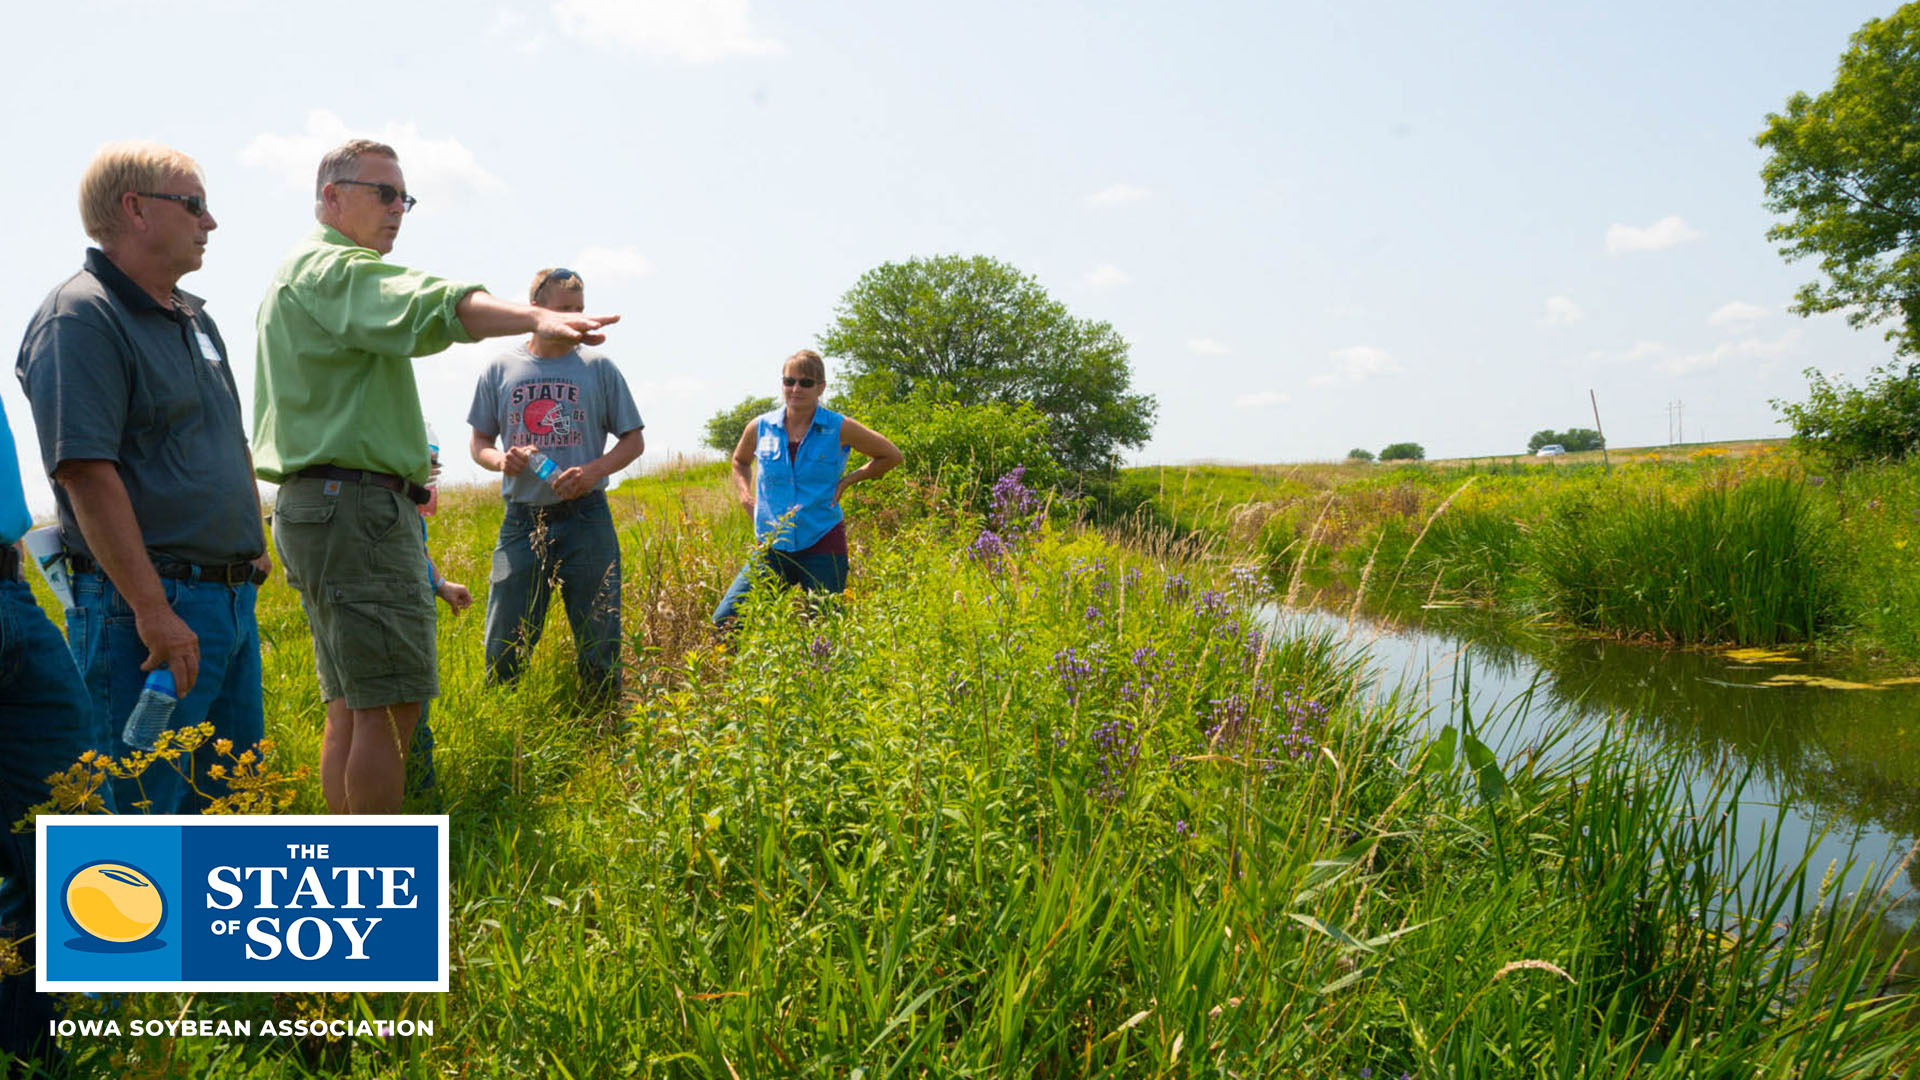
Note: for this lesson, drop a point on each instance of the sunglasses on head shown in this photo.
(387, 193)
(558, 273)
(195, 204)
(804, 384)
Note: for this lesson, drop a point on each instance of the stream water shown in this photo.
(1837, 748)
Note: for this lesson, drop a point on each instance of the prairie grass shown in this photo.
(1062, 810)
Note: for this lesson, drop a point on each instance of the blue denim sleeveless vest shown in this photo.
(793, 498)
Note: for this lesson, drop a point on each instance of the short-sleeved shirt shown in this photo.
(564, 405)
(338, 331)
(793, 505)
(14, 518)
(114, 375)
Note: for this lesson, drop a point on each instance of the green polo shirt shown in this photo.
(333, 384)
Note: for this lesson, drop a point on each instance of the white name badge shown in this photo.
(770, 446)
(207, 350)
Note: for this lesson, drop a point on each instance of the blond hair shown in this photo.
(118, 168)
(566, 279)
(343, 161)
(810, 365)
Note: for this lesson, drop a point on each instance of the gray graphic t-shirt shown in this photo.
(566, 406)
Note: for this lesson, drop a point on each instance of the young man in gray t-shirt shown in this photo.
(563, 403)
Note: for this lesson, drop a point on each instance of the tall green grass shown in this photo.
(1746, 563)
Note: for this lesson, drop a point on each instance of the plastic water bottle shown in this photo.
(153, 712)
(543, 466)
(433, 457)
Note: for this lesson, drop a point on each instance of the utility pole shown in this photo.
(1604, 460)
(1676, 422)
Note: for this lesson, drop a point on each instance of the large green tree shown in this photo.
(1844, 169)
(981, 331)
(725, 426)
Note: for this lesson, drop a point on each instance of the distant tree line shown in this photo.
(1572, 439)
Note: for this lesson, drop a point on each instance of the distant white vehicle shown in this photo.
(1552, 449)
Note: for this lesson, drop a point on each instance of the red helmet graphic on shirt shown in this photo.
(545, 417)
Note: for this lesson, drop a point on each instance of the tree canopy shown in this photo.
(1844, 169)
(981, 331)
(1403, 451)
(725, 426)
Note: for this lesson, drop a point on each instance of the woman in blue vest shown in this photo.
(801, 449)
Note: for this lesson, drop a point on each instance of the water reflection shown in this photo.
(1844, 763)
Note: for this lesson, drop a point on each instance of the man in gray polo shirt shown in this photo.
(139, 426)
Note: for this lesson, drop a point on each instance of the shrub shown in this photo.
(1357, 454)
(965, 448)
(1851, 426)
(1403, 451)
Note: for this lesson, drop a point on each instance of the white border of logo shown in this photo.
(41, 912)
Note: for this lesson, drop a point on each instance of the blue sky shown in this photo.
(1319, 226)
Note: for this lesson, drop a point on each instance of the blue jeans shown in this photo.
(814, 573)
(109, 652)
(46, 723)
(573, 542)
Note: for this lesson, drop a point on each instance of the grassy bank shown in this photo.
(1705, 547)
(1051, 806)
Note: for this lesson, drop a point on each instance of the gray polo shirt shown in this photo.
(113, 375)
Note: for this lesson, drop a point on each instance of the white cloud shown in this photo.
(1641, 350)
(1726, 351)
(1117, 195)
(1357, 363)
(603, 264)
(1265, 399)
(1665, 233)
(512, 26)
(1106, 275)
(434, 167)
(1209, 347)
(1561, 310)
(696, 31)
(1736, 313)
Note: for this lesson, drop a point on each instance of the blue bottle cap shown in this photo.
(161, 679)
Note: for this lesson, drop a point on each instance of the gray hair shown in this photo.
(343, 161)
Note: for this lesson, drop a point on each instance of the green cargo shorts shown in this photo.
(356, 554)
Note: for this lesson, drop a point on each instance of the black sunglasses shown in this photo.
(388, 193)
(558, 273)
(195, 204)
(788, 380)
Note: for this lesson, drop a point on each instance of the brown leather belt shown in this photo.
(399, 484)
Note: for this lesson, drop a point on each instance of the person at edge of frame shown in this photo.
(47, 722)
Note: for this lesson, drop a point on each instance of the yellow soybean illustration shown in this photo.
(114, 902)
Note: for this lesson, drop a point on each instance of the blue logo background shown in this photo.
(157, 854)
(393, 946)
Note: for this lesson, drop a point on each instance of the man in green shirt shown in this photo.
(337, 424)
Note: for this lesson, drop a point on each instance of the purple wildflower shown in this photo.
(988, 546)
